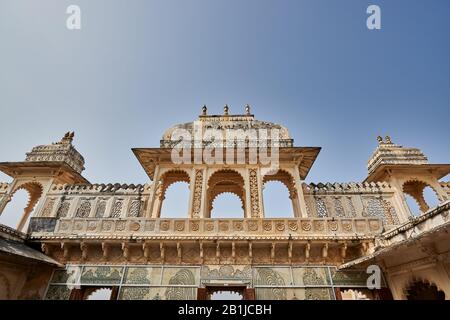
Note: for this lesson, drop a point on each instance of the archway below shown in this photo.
(14, 209)
(227, 205)
(176, 201)
(277, 203)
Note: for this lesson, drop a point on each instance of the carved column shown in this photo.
(204, 197)
(300, 201)
(150, 213)
(253, 194)
(196, 196)
(400, 202)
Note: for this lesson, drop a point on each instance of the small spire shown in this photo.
(204, 110)
(68, 137)
(225, 110)
(380, 140)
(388, 140)
(247, 109)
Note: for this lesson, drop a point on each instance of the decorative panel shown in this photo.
(101, 275)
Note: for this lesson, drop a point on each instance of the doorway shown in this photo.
(226, 292)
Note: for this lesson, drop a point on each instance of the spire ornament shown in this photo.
(247, 109)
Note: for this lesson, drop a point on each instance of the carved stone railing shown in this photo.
(95, 200)
(351, 200)
(210, 228)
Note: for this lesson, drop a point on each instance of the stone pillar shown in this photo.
(401, 207)
(152, 197)
(196, 193)
(261, 196)
(441, 193)
(300, 201)
(253, 194)
(204, 196)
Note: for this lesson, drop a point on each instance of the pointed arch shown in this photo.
(274, 195)
(225, 181)
(173, 181)
(415, 189)
(34, 191)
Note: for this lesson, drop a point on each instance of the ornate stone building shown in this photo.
(82, 237)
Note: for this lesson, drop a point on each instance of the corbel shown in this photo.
(45, 248)
(105, 250)
(126, 250)
(307, 251)
(65, 249)
(161, 251)
(325, 251)
(201, 251)
(84, 250)
(146, 250)
(343, 251)
(218, 252)
(290, 245)
(272, 252)
(179, 251)
(233, 251)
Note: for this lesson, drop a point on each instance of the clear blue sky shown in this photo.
(138, 67)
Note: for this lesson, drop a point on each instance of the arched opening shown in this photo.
(357, 294)
(226, 295)
(176, 201)
(277, 203)
(226, 182)
(99, 294)
(227, 205)
(422, 194)
(21, 206)
(280, 195)
(421, 290)
(413, 205)
(430, 197)
(172, 195)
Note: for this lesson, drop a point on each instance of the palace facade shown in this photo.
(354, 240)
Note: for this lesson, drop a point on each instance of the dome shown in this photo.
(238, 126)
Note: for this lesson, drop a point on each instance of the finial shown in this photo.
(204, 109)
(380, 140)
(225, 110)
(247, 109)
(68, 137)
(388, 140)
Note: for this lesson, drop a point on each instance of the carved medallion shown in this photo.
(135, 226)
(333, 225)
(267, 226)
(164, 225)
(194, 225)
(319, 225)
(179, 225)
(209, 226)
(279, 226)
(293, 225)
(306, 226)
(92, 225)
(107, 226)
(238, 226)
(252, 225)
(223, 226)
(120, 225)
(150, 226)
(347, 226)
